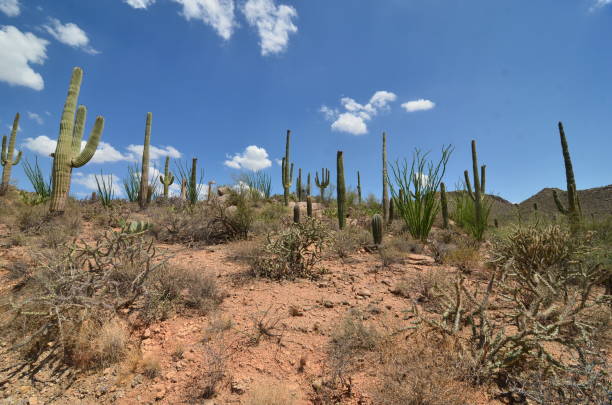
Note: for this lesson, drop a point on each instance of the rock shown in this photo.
(386, 281)
(420, 259)
(160, 392)
(373, 309)
(363, 292)
(238, 387)
(221, 191)
(328, 304)
(34, 401)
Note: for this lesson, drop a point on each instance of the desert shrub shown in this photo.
(350, 338)
(425, 288)
(421, 372)
(543, 300)
(348, 240)
(272, 217)
(464, 214)
(72, 290)
(292, 253)
(465, 258)
(395, 249)
(150, 366)
(176, 287)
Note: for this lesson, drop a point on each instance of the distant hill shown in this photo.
(596, 201)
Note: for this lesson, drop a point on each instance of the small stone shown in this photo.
(238, 387)
(363, 292)
(373, 309)
(328, 304)
(386, 281)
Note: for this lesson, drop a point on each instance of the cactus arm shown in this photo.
(17, 159)
(92, 144)
(559, 204)
(79, 130)
(468, 184)
(483, 173)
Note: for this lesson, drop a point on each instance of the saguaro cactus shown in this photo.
(444, 204)
(68, 154)
(287, 170)
(144, 176)
(479, 184)
(298, 186)
(323, 182)
(192, 190)
(183, 189)
(573, 211)
(385, 194)
(377, 229)
(6, 158)
(296, 213)
(167, 178)
(309, 206)
(308, 189)
(341, 190)
(358, 187)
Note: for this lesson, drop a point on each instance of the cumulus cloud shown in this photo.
(274, 24)
(253, 158)
(17, 51)
(143, 4)
(35, 117)
(154, 152)
(89, 181)
(69, 34)
(418, 105)
(10, 7)
(217, 13)
(601, 3)
(355, 116)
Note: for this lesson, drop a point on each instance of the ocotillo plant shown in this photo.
(6, 158)
(322, 182)
(298, 186)
(167, 178)
(444, 204)
(287, 170)
(572, 211)
(377, 229)
(385, 195)
(296, 213)
(477, 196)
(144, 175)
(358, 188)
(191, 181)
(68, 154)
(341, 190)
(309, 206)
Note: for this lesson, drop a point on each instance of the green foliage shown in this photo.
(6, 156)
(322, 182)
(41, 187)
(464, 214)
(573, 210)
(106, 192)
(133, 227)
(260, 184)
(131, 183)
(414, 191)
(287, 170)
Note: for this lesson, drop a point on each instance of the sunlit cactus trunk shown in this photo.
(144, 176)
(287, 170)
(573, 211)
(67, 152)
(167, 178)
(341, 191)
(385, 193)
(6, 158)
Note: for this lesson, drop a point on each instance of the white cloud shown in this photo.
(601, 3)
(274, 24)
(253, 158)
(351, 123)
(89, 181)
(17, 51)
(43, 145)
(418, 105)
(69, 34)
(217, 13)
(35, 117)
(143, 4)
(354, 119)
(154, 152)
(10, 7)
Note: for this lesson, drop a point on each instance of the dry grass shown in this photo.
(150, 366)
(348, 240)
(269, 393)
(394, 249)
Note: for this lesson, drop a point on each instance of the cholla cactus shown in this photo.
(6, 158)
(167, 178)
(68, 154)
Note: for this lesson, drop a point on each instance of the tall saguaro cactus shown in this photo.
(287, 170)
(385, 194)
(444, 204)
(572, 211)
(68, 154)
(358, 187)
(144, 176)
(477, 195)
(308, 189)
(192, 190)
(322, 182)
(167, 178)
(6, 158)
(298, 186)
(341, 190)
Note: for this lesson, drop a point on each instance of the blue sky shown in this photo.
(226, 78)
